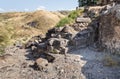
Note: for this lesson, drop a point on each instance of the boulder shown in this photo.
(38, 49)
(32, 24)
(109, 29)
(80, 26)
(68, 36)
(34, 41)
(54, 32)
(48, 56)
(41, 64)
(83, 38)
(58, 42)
(56, 45)
(68, 29)
(117, 1)
(93, 11)
(68, 32)
(83, 20)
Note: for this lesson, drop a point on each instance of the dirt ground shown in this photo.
(78, 64)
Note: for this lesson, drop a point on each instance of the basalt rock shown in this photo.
(83, 38)
(81, 23)
(54, 32)
(57, 45)
(109, 30)
(68, 32)
(34, 41)
(38, 49)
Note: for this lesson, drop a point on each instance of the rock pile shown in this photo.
(58, 40)
(81, 23)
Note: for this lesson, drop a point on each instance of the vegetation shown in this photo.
(5, 37)
(70, 18)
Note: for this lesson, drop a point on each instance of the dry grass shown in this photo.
(43, 20)
(14, 26)
(111, 61)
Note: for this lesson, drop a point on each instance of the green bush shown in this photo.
(64, 21)
(74, 14)
(70, 18)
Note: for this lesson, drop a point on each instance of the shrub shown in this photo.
(74, 14)
(70, 18)
(64, 21)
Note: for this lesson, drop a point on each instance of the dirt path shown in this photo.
(94, 67)
(79, 64)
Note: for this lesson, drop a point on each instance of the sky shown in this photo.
(32, 5)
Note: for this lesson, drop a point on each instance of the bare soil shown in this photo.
(78, 64)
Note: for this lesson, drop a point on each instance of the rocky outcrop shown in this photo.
(81, 23)
(93, 11)
(84, 38)
(109, 29)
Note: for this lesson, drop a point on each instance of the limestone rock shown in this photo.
(83, 20)
(41, 63)
(68, 29)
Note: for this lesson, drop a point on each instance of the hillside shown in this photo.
(20, 26)
(77, 44)
(70, 51)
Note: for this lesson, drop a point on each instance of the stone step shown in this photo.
(83, 20)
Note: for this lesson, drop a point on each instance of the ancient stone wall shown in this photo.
(109, 29)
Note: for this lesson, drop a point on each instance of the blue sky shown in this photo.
(31, 5)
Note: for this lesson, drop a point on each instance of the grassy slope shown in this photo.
(16, 26)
